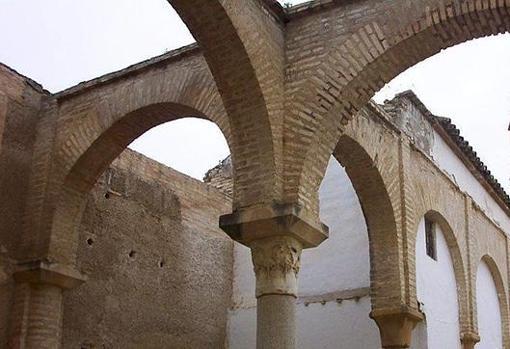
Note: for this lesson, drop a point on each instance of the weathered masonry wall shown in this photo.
(159, 269)
(20, 100)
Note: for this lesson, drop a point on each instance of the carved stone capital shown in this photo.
(41, 272)
(469, 340)
(396, 325)
(276, 262)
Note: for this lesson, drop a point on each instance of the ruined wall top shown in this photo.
(411, 116)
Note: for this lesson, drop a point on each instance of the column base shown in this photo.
(42, 272)
(276, 322)
(396, 326)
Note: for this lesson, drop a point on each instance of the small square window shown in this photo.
(430, 239)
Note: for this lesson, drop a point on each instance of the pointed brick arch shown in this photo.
(458, 262)
(369, 166)
(243, 44)
(85, 172)
(354, 68)
(96, 123)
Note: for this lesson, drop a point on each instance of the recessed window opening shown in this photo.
(430, 239)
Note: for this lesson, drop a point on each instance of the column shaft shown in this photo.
(276, 324)
(36, 318)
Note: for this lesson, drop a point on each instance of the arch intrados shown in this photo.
(95, 160)
(404, 41)
(373, 194)
(436, 217)
(498, 281)
(455, 255)
(108, 146)
(493, 267)
(453, 246)
(379, 217)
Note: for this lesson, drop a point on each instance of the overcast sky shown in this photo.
(60, 43)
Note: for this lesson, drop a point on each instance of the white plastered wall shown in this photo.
(488, 310)
(437, 290)
(446, 159)
(339, 268)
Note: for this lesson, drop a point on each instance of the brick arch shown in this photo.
(502, 296)
(458, 263)
(93, 162)
(243, 48)
(134, 105)
(386, 271)
(354, 69)
(95, 125)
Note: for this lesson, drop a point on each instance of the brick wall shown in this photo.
(221, 176)
(20, 100)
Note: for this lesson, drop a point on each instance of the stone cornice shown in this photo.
(42, 272)
(257, 223)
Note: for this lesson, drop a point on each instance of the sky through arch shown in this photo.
(60, 43)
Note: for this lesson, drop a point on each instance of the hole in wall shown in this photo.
(161, 263)
(90, 241)
(87, 345)
(132, 254)
(107, 195)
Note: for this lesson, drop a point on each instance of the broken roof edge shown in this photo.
(281, 12)
(128, 71)
(31, 82)
(452, 135)
(286, 13)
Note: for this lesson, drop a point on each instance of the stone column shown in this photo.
(276, 262)
(37, 310)
(396, 326)
(276, 236)
(469, 340)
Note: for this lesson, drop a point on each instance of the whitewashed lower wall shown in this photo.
(437, 291)
(339, 268)
(488, 310)
(328, 326)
